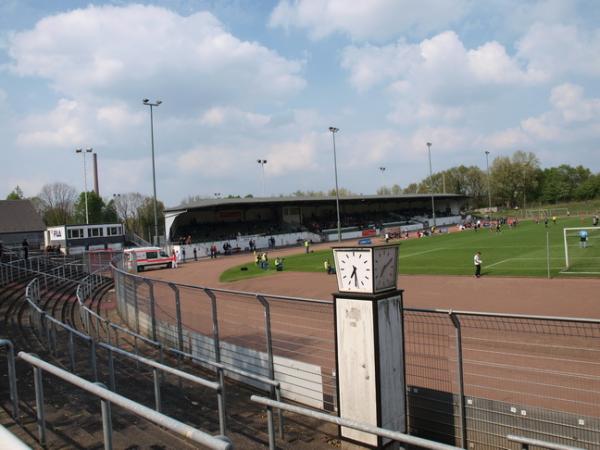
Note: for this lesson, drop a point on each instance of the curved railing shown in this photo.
(48, 328)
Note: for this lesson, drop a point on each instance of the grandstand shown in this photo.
(289, 219)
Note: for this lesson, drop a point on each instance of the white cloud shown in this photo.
(229, 116)
(552, 50)
(124, 51)
(365, 19)
(572, 118)
(63, 127)
(292, 156)
(439, 61)
(208, 161)
(119, 116)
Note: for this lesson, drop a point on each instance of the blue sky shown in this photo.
(242, 80)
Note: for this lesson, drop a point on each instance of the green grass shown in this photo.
(512, 252)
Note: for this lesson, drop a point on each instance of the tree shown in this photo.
(127, 207)
(95, 208)
(57, 200)
(561, 183)
(109, 213)
(16, 194)
(514, 179)
(145, 215)
(589, 189)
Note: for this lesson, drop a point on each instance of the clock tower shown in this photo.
(369, 336)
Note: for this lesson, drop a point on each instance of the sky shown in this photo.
(242, 80)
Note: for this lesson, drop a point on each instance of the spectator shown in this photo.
(25, 245)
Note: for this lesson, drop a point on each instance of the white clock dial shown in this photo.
(354, 271)
(385, 268)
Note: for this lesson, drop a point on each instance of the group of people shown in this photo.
(262, 260)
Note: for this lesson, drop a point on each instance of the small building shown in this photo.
(19, 220)
(76, 239)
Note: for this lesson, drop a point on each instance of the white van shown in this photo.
(142, 257)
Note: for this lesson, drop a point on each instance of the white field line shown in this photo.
(499, 262)
(566, 272)
(421, 253)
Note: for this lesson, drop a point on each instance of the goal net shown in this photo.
(582, 250)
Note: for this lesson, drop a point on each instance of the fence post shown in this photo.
(39, 405)
(71, 351)
(152, 308)
(12, 377)
(217, 350)
(106, 422)
(461, 381)
(178, 316)
(548, 252)
(269, 343)
(93, 359)
(136, 307)
(111, 371)
(156, 377)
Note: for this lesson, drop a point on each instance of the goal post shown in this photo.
(582, 249)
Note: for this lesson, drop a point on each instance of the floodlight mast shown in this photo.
(337, 192)
(431, 183)
(147, 102)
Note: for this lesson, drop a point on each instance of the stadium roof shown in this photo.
(210, 202)
(19, 216)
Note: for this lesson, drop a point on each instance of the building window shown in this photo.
(113, 231)
(75, 233)
(96, 232)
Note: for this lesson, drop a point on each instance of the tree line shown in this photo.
(61, 204)
(514, 181)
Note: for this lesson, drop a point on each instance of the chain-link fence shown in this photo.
(472, 378)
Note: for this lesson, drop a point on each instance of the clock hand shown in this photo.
(354, 275)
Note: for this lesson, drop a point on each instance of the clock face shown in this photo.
(354, 270)
(385, 267)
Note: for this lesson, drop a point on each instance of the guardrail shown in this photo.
(526, 442)
(87, 287)
(192, 319)
(47, 326)
(10, 441)
(12, 377)
(360, 426)
(107, 398)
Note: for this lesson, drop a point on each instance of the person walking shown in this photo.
(477, 261)
(173, 259)
(307, 246)
(25, 245)
(182, 254)
(195, 254)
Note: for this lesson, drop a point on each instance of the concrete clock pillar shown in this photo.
(369, 341)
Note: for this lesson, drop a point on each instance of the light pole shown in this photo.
(337, 192)
(151, 105)
(487, 163)
(431, 183)
(83, 152)
(262, 163)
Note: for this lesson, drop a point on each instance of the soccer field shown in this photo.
(512, 252)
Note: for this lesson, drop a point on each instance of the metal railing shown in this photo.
(47, 327)
(205, 322)
(107, 399)
(526, 442)
(463, 368)
(12, 377)
(10, 441)
(360, 426)
(113, 333)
